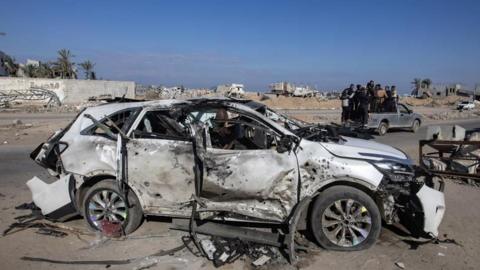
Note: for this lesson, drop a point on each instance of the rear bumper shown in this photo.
(433, 207)
(55, 199)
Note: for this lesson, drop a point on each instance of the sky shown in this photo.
(327, 44)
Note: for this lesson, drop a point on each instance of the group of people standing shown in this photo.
(358, 102)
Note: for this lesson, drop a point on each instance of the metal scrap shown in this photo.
(456, 153)
(31, 94)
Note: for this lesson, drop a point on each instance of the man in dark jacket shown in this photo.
(363, 101)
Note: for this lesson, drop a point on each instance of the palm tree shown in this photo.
(64, 65)
(87, 67)
(427, 82)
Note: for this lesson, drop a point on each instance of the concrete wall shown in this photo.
(71, 91)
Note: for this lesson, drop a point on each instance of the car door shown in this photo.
(405, 118)
(254, 178)
(160, 163)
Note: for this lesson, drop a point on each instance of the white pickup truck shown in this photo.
(466, 105)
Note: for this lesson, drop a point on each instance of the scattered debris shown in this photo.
(106, 262)
(441, 254)
(400, 265)
(17, 122)
(261, 261)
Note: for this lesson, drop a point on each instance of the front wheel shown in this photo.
(345, 219)
(105, 202)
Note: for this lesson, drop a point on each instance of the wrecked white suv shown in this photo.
(237, 161)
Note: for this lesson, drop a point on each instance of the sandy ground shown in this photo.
(460, 222)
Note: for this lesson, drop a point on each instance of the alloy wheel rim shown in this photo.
(107, 205)
(346, 223)
(383, 130)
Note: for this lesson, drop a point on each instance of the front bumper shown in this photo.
(433, 207)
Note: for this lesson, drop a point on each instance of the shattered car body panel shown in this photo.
(261, 174)
(232, 175)
(162, 173)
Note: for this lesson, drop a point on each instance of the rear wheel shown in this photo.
(345, 219)
(104, 201)
(415, 125)
(382, 128)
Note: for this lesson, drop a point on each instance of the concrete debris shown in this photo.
(441, 254)
(17, 122)
(400, 265)
(458, 152)
(261, 261)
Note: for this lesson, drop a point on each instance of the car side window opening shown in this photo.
(121, 119)
(159, 124)
(403, 109)
(229, 129)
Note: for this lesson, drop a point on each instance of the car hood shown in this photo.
(365, 149)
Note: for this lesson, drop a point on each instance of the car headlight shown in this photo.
(395, 171)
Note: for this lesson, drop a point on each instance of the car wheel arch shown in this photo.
(91, 181)
(362, 185)
(350, 182)
(384, 121)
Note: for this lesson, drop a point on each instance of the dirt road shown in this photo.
(460, 223)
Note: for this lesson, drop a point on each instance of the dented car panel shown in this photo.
(162, 173)
(267, 178)
(263, 184)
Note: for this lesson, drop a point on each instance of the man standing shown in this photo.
(346, 97)
(363, 100)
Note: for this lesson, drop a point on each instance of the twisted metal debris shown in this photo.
(31, 94)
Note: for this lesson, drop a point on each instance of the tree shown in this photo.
(10, 65)
(417, 83)
(64, 66)
(87, 67)
(426, 83)
(29, 71)
(45, 70)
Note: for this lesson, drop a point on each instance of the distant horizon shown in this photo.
(201, 44)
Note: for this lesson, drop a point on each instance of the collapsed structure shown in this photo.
(289, 89)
